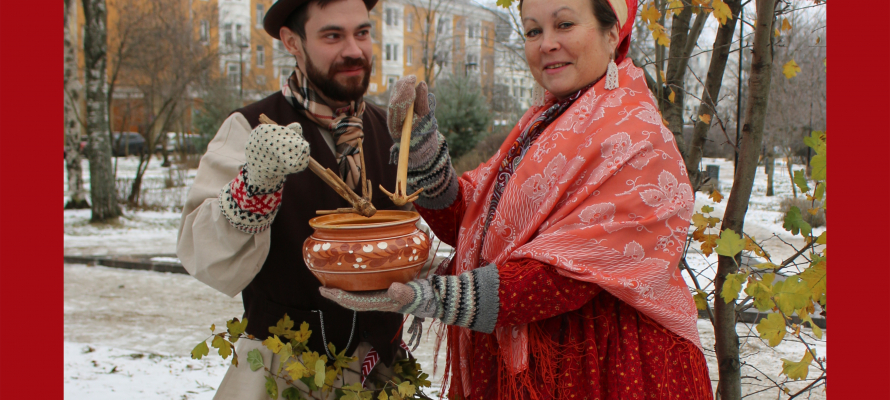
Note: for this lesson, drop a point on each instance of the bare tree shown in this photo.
(102, 188)
(727, 340)
(435, 38)
(73, 118)
(166, 60)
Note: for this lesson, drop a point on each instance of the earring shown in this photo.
(612, 75)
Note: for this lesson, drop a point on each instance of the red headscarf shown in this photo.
(626, 11)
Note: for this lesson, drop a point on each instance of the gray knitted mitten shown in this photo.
(469, 299)
(250, 201)
(429, 165)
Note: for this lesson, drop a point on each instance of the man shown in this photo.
(246, 217)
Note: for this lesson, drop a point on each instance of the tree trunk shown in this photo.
(102, 188)
(673, 111)
(710, 93)
(73, 127)
(788, 159)
(727, 340)
(770, 166)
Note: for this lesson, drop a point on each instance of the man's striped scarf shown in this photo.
(345, 123)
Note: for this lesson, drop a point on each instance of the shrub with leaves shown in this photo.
(315, 371)
(804, 274)
(462, 113)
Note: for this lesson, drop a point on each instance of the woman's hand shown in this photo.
(392, 300)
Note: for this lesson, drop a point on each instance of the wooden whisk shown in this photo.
(400, 197)
(360, 205)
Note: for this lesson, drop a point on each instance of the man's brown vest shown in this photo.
(284, 284)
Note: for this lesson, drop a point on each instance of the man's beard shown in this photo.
(326, 83)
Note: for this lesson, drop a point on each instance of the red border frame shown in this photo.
(859, 125)
(31, 246)
(31, 314)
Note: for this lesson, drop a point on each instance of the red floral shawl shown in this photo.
(602, 195)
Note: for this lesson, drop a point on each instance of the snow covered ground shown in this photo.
(128, 333)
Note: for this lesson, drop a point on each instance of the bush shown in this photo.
(462, 112)
(482, 151)
(803, 204)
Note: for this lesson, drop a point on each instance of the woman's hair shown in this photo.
(601, 10)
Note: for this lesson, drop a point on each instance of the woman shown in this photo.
(565, 280)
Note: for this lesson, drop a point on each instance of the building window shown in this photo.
(391, 16)
(409, 22)
(233, 72)
(472, 62)
(472, 30)
(229, 40)
(260, 56)
(409, 55)
(260, 14)
(205, 30)
(391, 80)
(442, 26)
(391, 52)
(238, 38)
(283, 74)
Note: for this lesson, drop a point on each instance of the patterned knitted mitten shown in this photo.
(251, 200)
(429, 165)
(469, 299)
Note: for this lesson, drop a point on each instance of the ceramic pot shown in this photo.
(355, 253)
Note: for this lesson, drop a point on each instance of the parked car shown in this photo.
(126, 143)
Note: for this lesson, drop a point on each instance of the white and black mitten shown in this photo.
(251, 200)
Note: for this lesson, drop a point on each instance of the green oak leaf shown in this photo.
(319, 373)
(817, 163)
(271, 387)
(761, 291)
(772, 328)
(200, 350)
(795, 223)
(729, 244)
(255, 359)
(800, 180)
(797, 369)
(292, 393)
(732, 285)
(791, 294)
(236, 328)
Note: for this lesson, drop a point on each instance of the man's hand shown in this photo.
(251, 200)
(273, 152)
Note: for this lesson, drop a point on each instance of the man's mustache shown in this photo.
(350, 63)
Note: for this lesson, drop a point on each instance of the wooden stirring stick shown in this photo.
(399, 197)
(360, 205)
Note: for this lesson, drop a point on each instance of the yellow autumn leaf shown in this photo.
(790, 69)
(817, 331)
(296, 370)
(273, 343)
(705, 118)
(650, 14)
(786, 26)
(701, 299)
(799, 369)
(675, 7)
(709, 242)
(721, 11)
(303, 334)
(818, 39)
(776, 34)
(672, 96)
(772, 328)
(659, 35)
(716, 196)
(663, 79)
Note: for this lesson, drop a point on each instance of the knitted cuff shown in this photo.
(429, 167)
(250, 208)
(469, 299)
(425, 303)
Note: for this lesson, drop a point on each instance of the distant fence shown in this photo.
(168, 191)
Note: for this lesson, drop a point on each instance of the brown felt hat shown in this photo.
(278, 13)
